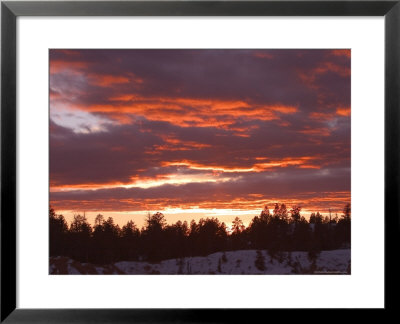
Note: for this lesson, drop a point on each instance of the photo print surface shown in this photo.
(200, 161)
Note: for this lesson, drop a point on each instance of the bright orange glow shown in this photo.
(309, 166)
(182, 146)
(258, 167)
(284, 109)
(143, 182)
(196, 166)
(343, 111)
(226, 211)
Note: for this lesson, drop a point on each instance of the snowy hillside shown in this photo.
(234, 262)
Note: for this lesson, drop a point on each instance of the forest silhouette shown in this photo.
(282, 230)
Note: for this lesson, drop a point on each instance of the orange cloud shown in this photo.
(309, 201)
(214, 168)
(126, 97)
(55, 187)
(263, 55)
(204, 112)
(55, 95)
(309, 77)
(69, 52)
(343, 111)
(285, 163)
(174, 144)
(331, 67)
(283, 109)
(143, 182)
(315, 131)
(321, 115)
(60, 66)
(106, 80)
(309, 166)
(342, 52)
(258, 167)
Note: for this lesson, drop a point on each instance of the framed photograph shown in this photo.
(176, 160)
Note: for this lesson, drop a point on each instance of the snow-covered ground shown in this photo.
(233, 262)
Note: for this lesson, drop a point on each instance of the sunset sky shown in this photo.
(198, 133)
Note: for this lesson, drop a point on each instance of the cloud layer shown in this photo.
(156, 129)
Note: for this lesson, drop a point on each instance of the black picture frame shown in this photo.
(10, 10)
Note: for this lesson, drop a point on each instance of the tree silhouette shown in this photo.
(80, 234)
(238, 236)
(280, 211)
(106, 242)
(265, 214)
(347, 212)
(156, 222)
(154, 236)
(295, 213)
(99, 220)
(58, 233)
(237, 226)
(343, 227)
(130, 241)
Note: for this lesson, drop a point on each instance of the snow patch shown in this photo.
(230, 262)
